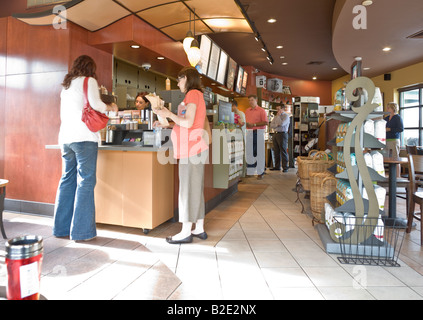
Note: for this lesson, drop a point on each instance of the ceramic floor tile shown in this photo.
(330, 277)
(260, 246)
(267, 246)
(396, 293)
(345, 293)
(276, 260)
(260, 235)
(294, 277)
(296, 294)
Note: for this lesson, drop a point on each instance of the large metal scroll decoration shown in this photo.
(355, 130)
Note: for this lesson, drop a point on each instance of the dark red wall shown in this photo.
(299, 88)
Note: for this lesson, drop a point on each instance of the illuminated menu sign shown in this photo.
(205, 48)
(214, 61)
(223, 66)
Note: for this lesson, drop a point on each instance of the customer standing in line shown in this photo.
(74, 214)
(280, 124)
(239, 116)
(257, 121)
(192, 151)
(394, 127)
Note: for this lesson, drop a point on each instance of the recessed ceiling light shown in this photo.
(263, 49)
(367, 3)
(282, 57)
(160, 58)
(314, 78)
(285, 63)
(367, 68)
(334, 69)
(279, 47)
(135, 46)
(387, 49)
(272, 20)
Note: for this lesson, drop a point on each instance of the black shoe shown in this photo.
(202, 236)
(275, 169)
(186, 240)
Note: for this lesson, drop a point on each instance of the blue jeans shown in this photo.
(74, 214)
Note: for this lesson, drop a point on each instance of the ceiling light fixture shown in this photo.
(135, 46)
(279, 47)
(194, 53)
(314, 78)
(367, 3)
(334, 69)
(160, 58)
(189, 38)
(285, 63)
(257, 37)
(272, 20)
(387, 49)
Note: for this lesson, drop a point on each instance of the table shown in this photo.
(3, 184)
(393, 163)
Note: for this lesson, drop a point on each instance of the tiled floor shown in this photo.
(260, 246)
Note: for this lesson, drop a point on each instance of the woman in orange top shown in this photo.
(192, 151)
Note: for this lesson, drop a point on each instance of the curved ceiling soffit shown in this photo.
(390, 23)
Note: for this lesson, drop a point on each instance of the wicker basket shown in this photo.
(318, 163)
(322, 184)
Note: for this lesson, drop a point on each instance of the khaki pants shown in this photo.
(392, 148)
(191, 188)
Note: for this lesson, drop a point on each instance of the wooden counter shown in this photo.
(133, 189)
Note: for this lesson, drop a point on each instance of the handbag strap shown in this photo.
(86, 102)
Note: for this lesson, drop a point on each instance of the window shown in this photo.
(411, 112)
(33, 3)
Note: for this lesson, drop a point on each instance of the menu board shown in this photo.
(230, 80)
(238, 85)
(205, 47)
(244, 83)
(223, 66)
(213, 61)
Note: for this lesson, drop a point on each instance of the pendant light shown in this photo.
(189, 37)
(194, 53)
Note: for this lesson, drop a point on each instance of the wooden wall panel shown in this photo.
(10, 7)
(36, 49)
(3, 43)
(79, 46)
(32, 121)
(2, 124)
(38, 59)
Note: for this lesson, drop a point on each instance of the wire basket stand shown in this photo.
(382, 248)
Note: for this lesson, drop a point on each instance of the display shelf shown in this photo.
(228, 157)
(305, 120)
(347, 207)
(374, 176)
(366, 141)
(369, 141)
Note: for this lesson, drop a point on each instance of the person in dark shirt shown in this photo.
(394, 127)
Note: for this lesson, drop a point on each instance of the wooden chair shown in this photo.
(3, 184)
(415, 166)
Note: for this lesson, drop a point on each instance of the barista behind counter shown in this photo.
(142, 103)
